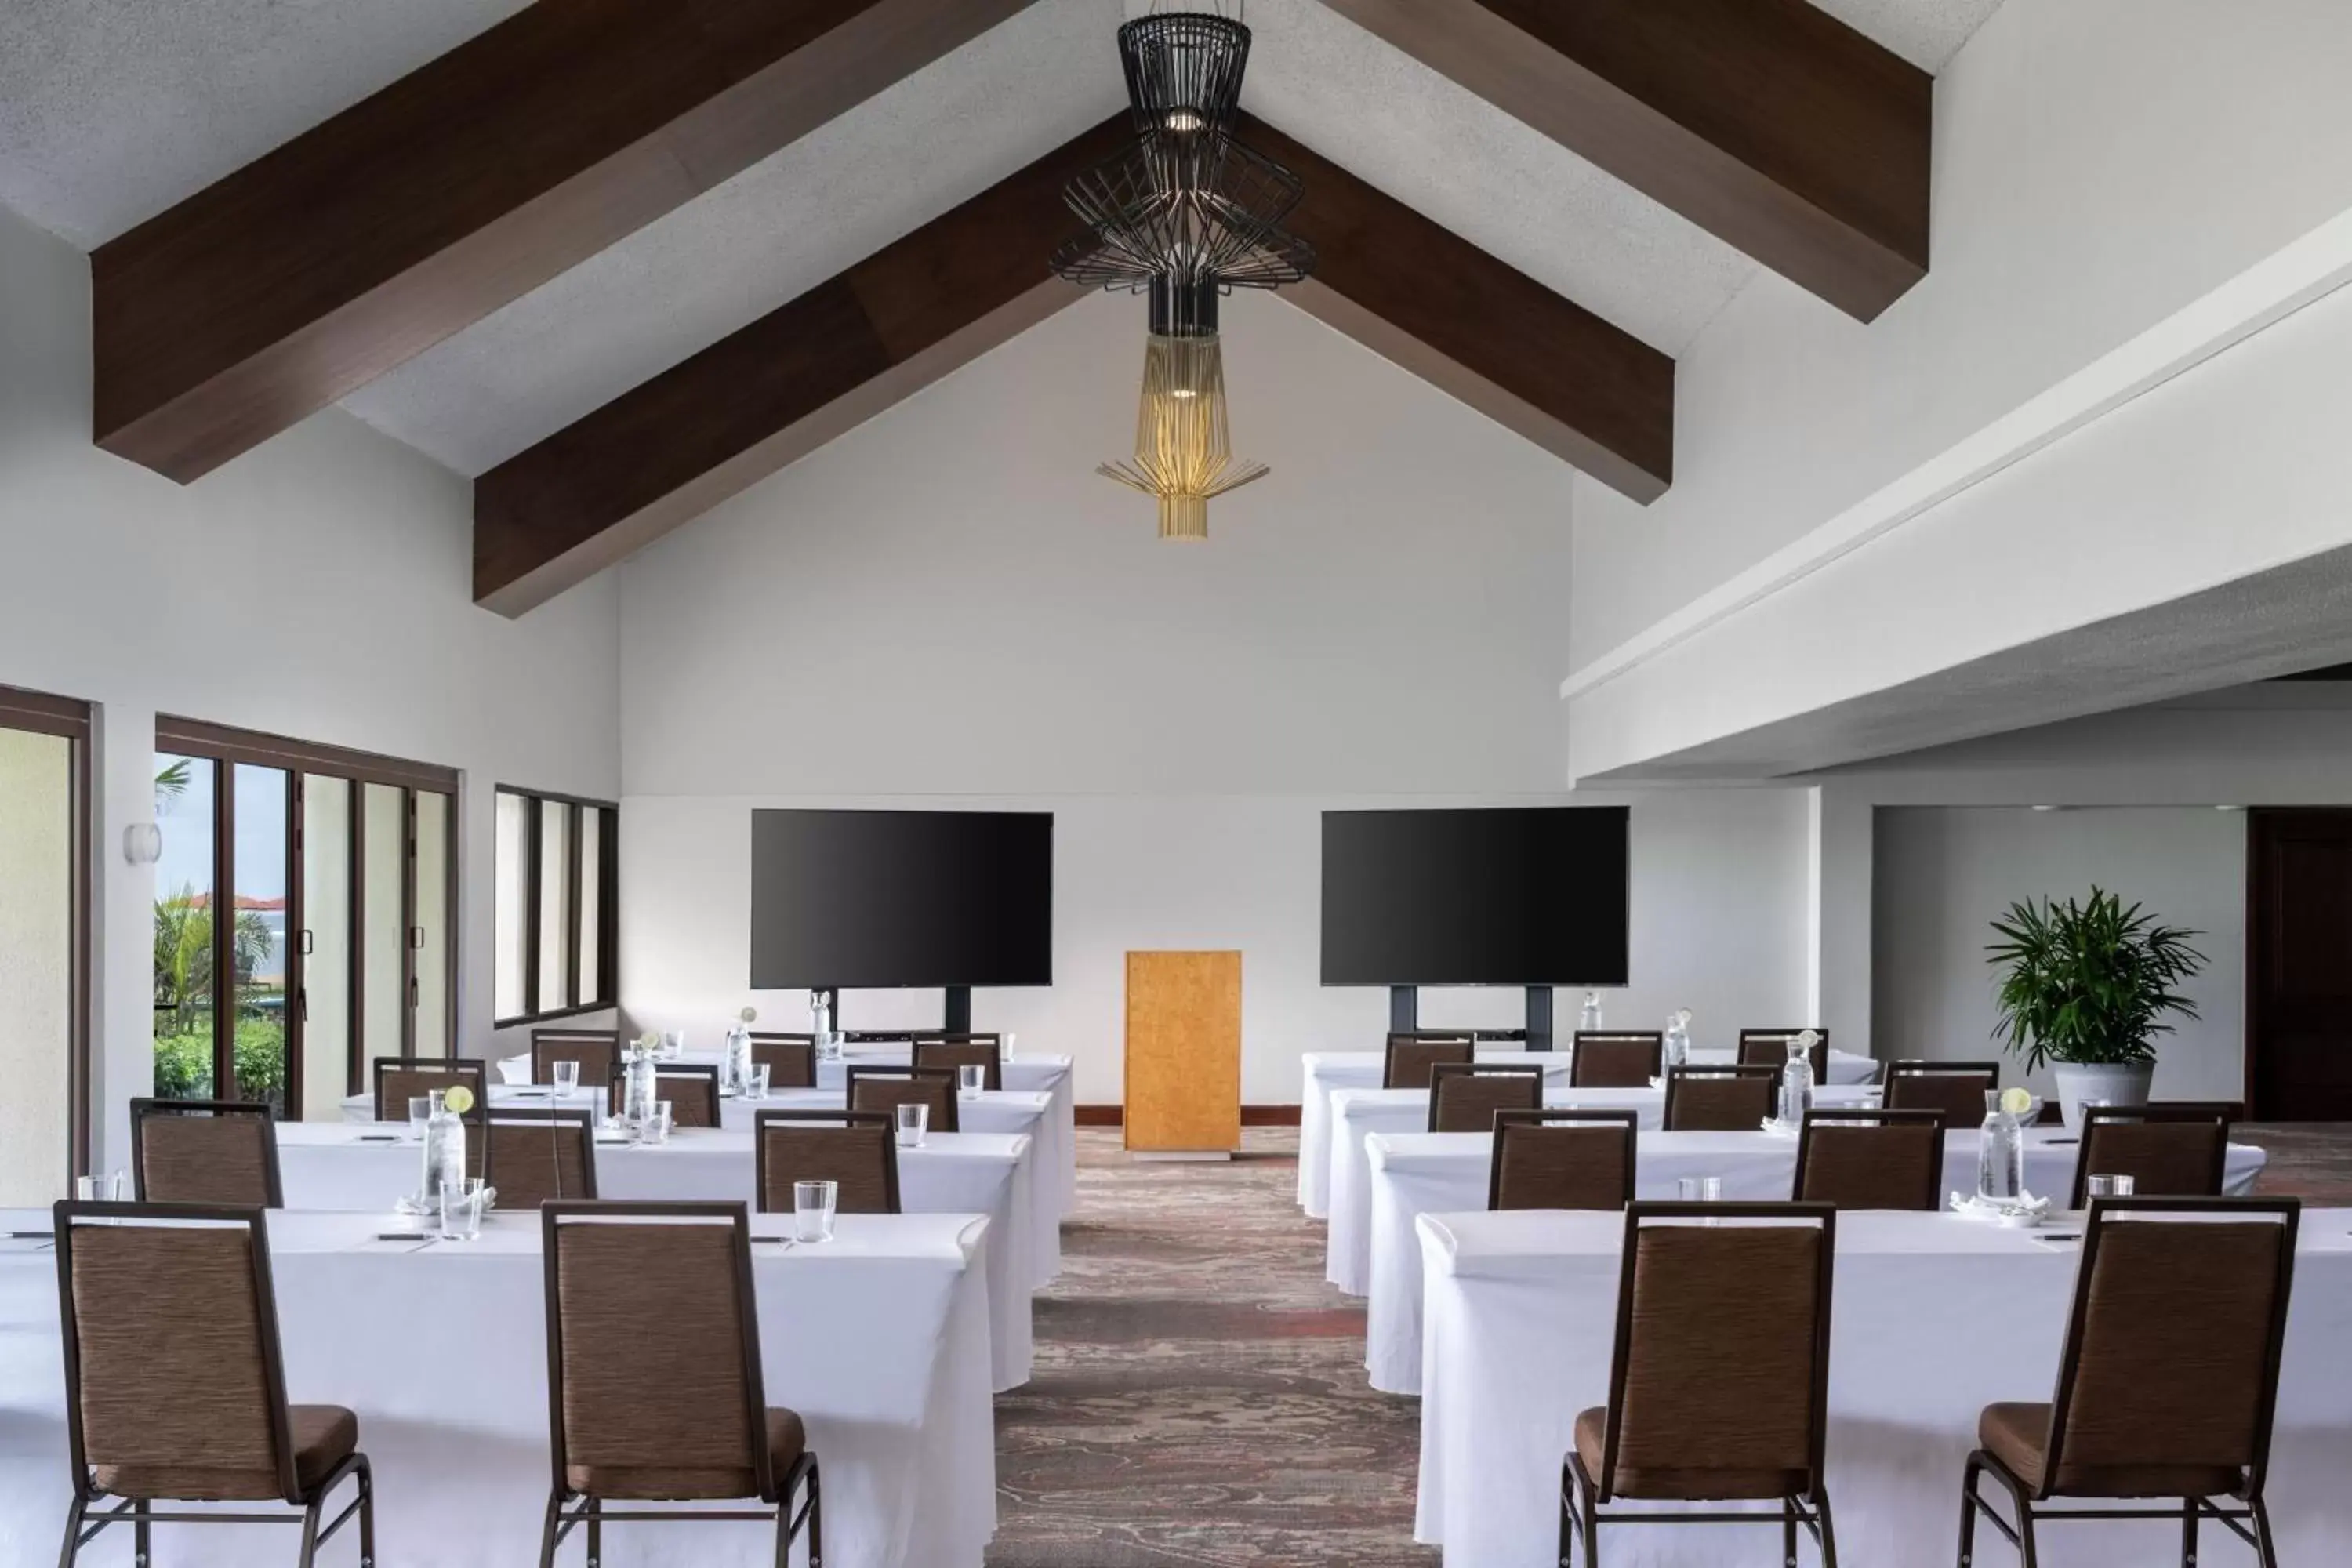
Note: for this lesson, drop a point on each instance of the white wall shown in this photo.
(319, 587)
(948, 608)
(1943, 873)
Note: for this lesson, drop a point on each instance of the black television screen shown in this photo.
(864, 899)
(1513, 896)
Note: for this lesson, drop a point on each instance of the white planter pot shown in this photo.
(2114, 1083)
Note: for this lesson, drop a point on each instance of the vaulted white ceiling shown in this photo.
(111, 110)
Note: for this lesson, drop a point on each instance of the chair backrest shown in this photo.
(1616, 1058)
(1956, 1089)
(535, 1156)
(1690, 1390)
(174, 1384)
(856, 1150)
(2178, 1148)
(2172, 1360)
(1770, 1048)
(1871, 1159)
(1562, 1160)
(1409, 1058)
(691, 1089)
(653, 1351)
(884, 1089)
(1720, 1099)
(399, 1079)
(1464, 1095)
(218, 1152)
(598, 1052)
(790, 1059)
(935, 1051)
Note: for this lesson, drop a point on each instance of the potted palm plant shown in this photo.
(2086, 988)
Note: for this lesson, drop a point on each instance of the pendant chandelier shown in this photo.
(1184, 215)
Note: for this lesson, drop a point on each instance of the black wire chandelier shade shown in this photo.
(1184, 71)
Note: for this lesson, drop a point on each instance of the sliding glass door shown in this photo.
(44, 945)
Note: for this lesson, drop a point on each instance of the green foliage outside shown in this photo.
(183, 1062)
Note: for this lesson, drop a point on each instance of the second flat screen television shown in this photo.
(1513, 896)
(872, 900)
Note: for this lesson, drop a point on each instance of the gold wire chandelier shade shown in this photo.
(1183, 446)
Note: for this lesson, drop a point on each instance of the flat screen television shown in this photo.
(869, 900)
(1511, 896)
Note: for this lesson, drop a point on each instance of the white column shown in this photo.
(1840, 827)
(122, 956)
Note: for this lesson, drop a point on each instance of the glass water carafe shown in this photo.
(640, 1088)
(445, 1151)
(1675, 1051)
(2001, 1156)
(1797, 1083)
(735, 1077)
(1589, 1018)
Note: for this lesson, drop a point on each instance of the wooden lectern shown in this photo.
(1183, 1054)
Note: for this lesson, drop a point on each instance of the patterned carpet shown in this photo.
(1200, 1394)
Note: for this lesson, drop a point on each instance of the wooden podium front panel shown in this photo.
(1183, 1052)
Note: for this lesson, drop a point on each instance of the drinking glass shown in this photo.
(1005, 1048)
(673, 1045)
(654, 1129)
(2100, 1186)
(461, 1209)
(971, 1078)
(1699, 1189)
(813, 1210)
(99, 1189)
(420, 1111)
(913, 1120)
(567, 1079)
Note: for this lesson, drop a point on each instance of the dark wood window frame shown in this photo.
(226, 746)
(607, 990)
(70, 720)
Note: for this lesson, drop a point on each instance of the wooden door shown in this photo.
(2299, 965)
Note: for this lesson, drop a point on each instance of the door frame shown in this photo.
(72, 720)
(2262, 821)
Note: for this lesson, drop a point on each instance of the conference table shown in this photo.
(1024, 1113)
(1357, 1115)
(1443, 1173)
(878, 1338)
(1325, 1073)
(367, 1167)
(1934, 1317)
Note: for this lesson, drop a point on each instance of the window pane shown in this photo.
(554, 906)
(383, 936)
(184, 929)
(511, 898)
(327, 966)
(36, 966)
(592, 903)
(431, 868)
(257, 934)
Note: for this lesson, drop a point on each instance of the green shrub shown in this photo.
(183, 1062)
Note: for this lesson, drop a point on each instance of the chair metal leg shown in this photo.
(309, 1557)
(2265, 1547)
(1829, 1532)
(1968, 1475)
(816, 1518)
(2189, 1533)
(143, 1536)
(1566, 1523)
(547, 1530)
(366, 1474)
(1787, 1532)
(1588, 1503)
(595, 1536)
(72, 1547)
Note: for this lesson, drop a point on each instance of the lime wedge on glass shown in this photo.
(2016, 1101)
(459, 1100)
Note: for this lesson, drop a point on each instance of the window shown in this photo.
(334, 875)
(45, 864)
(558, 873)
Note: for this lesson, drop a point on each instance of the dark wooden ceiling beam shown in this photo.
(714, 425)
(457, 189)
(1769, 123)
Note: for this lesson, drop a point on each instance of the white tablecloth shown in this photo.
(878, 1338)
(1935, 1317)
(1326, 1072)
(1356, 1114)
(1441, 1172)
(1025, 1113)
(344, 1165)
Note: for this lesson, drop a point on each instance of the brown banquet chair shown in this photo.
(953, 1052)
(678, 1417)
(218, 1152)
(598, 1052)
(1871, 1159)
(1615, 1058)
(1770, 1048)
(2176, 1149)
(1699, 1414)
(175, 1384)
(1464, 1095)
(884, 1089)
(1406, 1062)
(1720, 1099)
(691, 1089)
(2167, 1384)
(790, 1059)
(1956, 1089)
(399, 1079)
(858, 1150)
(1562, 1160)
(537, 1156)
